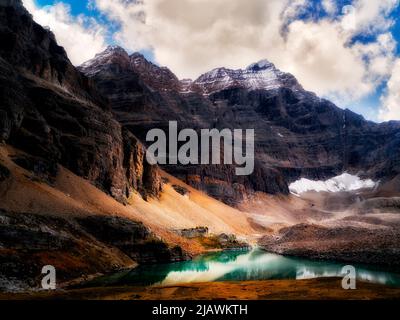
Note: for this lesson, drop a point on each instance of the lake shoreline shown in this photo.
(314, 289)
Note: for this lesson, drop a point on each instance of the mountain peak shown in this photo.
(262, 75)
(114, 55)
(261, 65)
(139, 60)
(113, 51)
(115, 48)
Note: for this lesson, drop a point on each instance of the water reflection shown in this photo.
(240, 266)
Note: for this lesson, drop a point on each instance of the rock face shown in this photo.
(56, 116)
(194, 232)
(4, 173)
(88, 246)
(144, 96)
(51, 111)
(132, 238)
(297, 133)
(140, 175)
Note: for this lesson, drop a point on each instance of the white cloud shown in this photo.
(372, 15)
(194, 36)
(82, 37)
(391, 101)
(329, 6)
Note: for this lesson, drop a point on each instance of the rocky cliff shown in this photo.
(52, 117)
(297, 133)
(52, 111)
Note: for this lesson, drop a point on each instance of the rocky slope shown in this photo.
(82, 231)
(297, 133)
(75, 247)
(379, 245)
(54, 118)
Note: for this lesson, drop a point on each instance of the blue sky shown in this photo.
(339, 65)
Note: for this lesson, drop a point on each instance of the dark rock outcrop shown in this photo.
(28, 242)
(43, 170)
(193, 232)
(4, 173)
(142, 176)
(76, 246)
(132, 238)
(181, 190)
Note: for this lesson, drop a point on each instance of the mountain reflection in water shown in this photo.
(240, 266)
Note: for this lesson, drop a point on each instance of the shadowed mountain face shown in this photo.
(297, 133)
(52, 116)
(54, 113)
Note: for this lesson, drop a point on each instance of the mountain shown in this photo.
(156, 78)
(143, 100)
(76, 192)
(57, 136)
(297, 133)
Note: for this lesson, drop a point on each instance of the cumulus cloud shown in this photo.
(194, 36)
(81, 36)
(391, 100)
(371, 15)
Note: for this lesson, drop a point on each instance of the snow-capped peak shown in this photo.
(258, 76)
(112, 54)
(113, 50)
(261, 65)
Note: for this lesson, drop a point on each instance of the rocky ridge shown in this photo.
(297, 133)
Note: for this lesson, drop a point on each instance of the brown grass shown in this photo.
(316, 289)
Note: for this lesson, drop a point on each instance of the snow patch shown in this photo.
(262, 75)
(344, 182)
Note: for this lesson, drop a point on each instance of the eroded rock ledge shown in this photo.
(75, 247)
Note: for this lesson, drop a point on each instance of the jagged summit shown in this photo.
(261, 65)
(262, 75)
(115, 50)
(112, 55)
(115, 57)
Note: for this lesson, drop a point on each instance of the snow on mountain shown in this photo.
(260, 75)
(113, 54)
(344, 182)
(257, 76)
(159, 78)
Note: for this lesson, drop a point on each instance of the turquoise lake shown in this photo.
(241, 266)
